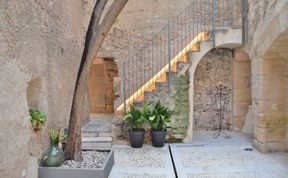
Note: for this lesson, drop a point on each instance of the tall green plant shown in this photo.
(57, 138)
(134, 118)
(160, 117)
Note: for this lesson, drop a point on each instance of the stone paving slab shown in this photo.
(145, 162)
(225, 161)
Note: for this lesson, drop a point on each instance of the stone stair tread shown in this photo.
(97, 139)
(161, 83)
(97, 126)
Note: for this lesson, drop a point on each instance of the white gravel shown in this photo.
(91, 159)
(147, 156)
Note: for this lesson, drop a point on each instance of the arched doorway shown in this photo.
(213, 70)
(100, 85)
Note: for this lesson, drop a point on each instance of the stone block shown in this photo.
(238, 123)
(272, 121)
(269, 135)
(242, 95)
(240, 109)
(241, 68)
(241, 82)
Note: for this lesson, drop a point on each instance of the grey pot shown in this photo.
(136, 138)
(158, 138)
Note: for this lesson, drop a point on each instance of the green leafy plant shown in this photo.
(38, 118)
(134, 118)
(160, 117)
(57, 138)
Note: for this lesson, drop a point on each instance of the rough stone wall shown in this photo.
(180, 103)
(213, 70)
(41, 47)
(267, 22)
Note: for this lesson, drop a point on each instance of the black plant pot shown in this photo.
(158, 138)
(136, 138)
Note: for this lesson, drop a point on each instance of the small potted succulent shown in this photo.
(159, 118)
(135, 121)
(38, 118)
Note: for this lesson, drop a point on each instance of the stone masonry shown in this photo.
(214, 69)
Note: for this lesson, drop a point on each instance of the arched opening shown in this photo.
(100, 85)
(213, 70)
(229, 71)
(271, 97)
(33, 92)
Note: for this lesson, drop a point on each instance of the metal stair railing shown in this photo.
(194, 24)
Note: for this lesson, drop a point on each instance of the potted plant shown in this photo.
(38, 118)
(54, 156)
(158, 119)
(135, 121)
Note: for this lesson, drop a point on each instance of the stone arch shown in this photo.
(101, 85)
(33, 92)
(228, 38)
(270, 96)
(214, 69)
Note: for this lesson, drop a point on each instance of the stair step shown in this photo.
(161, 87)
(149, 96)
(96, 143)
(97, 126)
(181, 65)
(171, 76)
(138, 103)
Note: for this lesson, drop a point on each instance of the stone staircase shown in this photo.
(98, 134)
(179, 80)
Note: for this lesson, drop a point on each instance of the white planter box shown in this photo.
(58, 172)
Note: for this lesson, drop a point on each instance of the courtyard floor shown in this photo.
(206, 158)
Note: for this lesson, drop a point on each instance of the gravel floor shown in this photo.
(220, 156)
(145, 162)
(91, 159)
(148, 157)
(258, 174)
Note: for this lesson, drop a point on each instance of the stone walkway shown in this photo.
(205, 158)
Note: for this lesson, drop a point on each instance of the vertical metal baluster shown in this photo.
(152, 58)
(189, 31)
(169, 56)
(197, 15)
(223, 12)
(213, 22)
(174, 39)
(164, 47)
(133, 76)
(177, 35)
(142, 66)
(124, 86)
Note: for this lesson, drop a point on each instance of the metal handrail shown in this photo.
(198, 17)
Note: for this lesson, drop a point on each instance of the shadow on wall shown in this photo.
(33, 92)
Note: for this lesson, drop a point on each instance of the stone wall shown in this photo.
(213, 70)
(41, 47)
(241, 88)
(267, 26)
(100, 85)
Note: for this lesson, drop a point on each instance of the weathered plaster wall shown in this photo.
(241, 88)
(213, 70)
(41, 47)
(267, 21)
